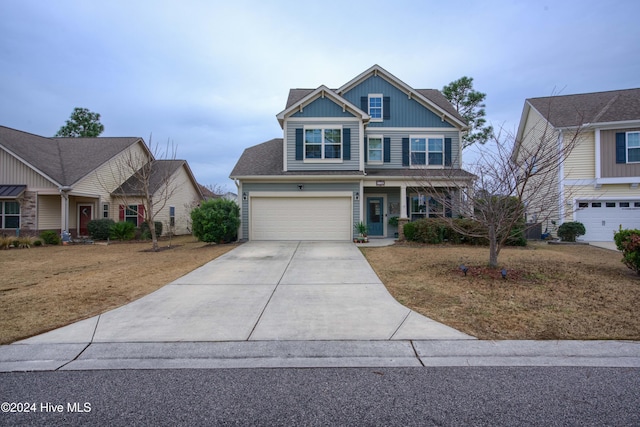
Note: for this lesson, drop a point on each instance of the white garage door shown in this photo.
(602, 218)
(300, 218)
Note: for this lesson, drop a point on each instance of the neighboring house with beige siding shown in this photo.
(598, 184)
(63, 183)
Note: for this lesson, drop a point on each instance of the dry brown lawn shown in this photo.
(43, 288)
(551, 291)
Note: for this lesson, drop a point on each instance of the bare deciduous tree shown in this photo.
(148, 177)
(512, 178)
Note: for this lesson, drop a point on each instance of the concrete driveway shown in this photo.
(264, 291)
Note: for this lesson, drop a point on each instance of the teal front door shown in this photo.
(375, 216)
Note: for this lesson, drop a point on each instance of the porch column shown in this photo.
(402, 220)
(64, 211)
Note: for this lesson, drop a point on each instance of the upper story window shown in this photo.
(9, 214)
(427, 151)
(322, 143)
(633, 147)
(375, 107)
(374, 154)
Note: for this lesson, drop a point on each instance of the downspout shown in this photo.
(561, 201)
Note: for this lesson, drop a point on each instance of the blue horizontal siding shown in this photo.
(300, 165)
(404, 112)
(322, 107)
(396, 146)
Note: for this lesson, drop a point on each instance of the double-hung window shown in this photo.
(427, 151)
(375, 107)
(323, 143)
(131, 214)
(9, 215)
(374, 154)
(633, 147)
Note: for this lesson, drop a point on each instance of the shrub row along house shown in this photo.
(358, 153)
(63, 183)
(598, 184)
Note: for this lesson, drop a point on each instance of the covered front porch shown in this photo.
(389, 204)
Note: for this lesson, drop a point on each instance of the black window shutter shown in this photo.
(387, 150)
(366, 150)
(346, 144)
(299, 145)
(364, 104)
(405, 151)
(447, 151)
(621, 147)
(386, 108)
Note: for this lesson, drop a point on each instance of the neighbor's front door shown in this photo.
(375, 216)
(86, 215)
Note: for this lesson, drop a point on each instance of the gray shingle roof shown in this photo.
(413, 173)
(161, 170)
(597, 107)
(65, 160)
(261, 159)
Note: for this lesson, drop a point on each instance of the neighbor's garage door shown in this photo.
(300, 218)
(602, 218)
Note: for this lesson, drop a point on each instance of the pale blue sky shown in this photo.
(211, 76)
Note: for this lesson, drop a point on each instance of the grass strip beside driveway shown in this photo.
(551, 292)
(44, 288)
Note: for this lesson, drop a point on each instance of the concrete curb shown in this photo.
(317, 354)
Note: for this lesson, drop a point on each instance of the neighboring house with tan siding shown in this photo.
(599, 183)
(62, 183)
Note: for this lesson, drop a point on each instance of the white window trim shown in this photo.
(375, 95)
(4, 214)
(627, 148)
(375, 162)
(106, 208)
(426, 165)
(322, 159)
(130, 215)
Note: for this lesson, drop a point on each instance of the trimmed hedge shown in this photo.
(100, 229)
(216, 221)
(568, 231)
(50, 237)
(438, 230)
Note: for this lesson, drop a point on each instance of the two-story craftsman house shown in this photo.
(359, 153)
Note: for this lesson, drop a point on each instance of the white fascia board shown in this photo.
(321, 91)
(296, 178)
(322, 119)
(411, 92)
(380, 129)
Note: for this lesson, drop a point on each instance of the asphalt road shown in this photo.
(291, 397)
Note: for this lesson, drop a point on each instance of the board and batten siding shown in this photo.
(107, 177)
(309, 187)
(301, 165)
(581, 162)
(404, 112)
(322, 107)
(14, 172)
(608, 165)
(396, 137)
